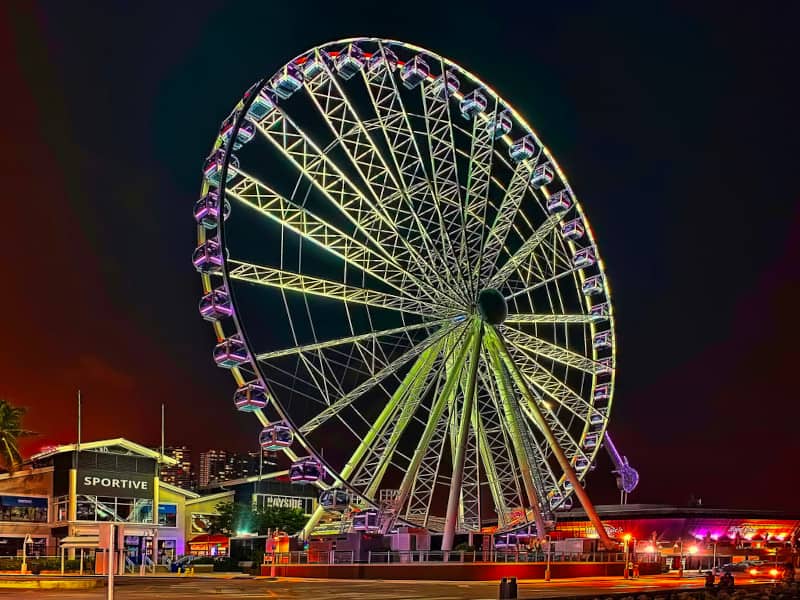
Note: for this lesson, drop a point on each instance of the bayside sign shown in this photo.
(112, 483)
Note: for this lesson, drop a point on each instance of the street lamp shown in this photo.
(680, 559)
(693, 550)
(626, 539)
(547, 566)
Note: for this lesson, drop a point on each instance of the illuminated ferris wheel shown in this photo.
(402, 280)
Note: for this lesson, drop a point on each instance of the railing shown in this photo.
(329, 557)
(312, 557)
(504, 556)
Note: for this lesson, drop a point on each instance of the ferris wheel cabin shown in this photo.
(573, 230)
(334, 499)
(206, 210)
(250, 397)
(500, 125)
(601, 340)
(287, 82)
(602, 392)
(472, 104)
(584, 258)
(350, 61)
(446, 85)
(261, 106)
(604, 366)
(542, 175)
(207, 257)
(559, 202)
(231, 352)
(414, 72)
(592, 285)
(380, 58)
(213, 167)
(600, 311)
(216, 305)
(590, 441)
(275, 437)
(306, 470)
(366, 520)
(246, 132)
(522, 149)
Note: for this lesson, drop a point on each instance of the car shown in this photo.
(738, 567)
(768, 571)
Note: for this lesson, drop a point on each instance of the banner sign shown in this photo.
(113, 483)
(271, 501)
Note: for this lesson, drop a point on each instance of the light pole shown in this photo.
(680, 560)
(625, 539)
(547, 565)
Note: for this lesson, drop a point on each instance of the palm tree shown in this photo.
(10, 431)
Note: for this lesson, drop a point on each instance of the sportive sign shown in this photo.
(114, 483)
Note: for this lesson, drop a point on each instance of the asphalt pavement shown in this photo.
(186, 588)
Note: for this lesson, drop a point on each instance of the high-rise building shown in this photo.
(217, 466)
(212, 467)
(182, 474)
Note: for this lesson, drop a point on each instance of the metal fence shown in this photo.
(436, 556)
(493, 556)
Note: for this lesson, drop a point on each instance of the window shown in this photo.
(109, 508)
(168, 515)
(23, 508)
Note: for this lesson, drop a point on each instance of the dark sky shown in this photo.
(677, 126)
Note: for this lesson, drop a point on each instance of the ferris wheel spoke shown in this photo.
(369, 219)
(498, 465)
(519, 444)
(365, 156)
(371, 473)
(306, 284)
(477, 194)
(406, 156)
(495, 239)
(539, 284)
(424, 482)
(553, 387)
(268, 202)
(530, 343)
(444, 171)
(355, 339)
(553, 318)
(539, 419)
(390, 409)
(376, 379)
(545, 230)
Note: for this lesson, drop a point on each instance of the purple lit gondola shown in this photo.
(250, 397)
(216, 305)
(559, 202)
(584, 258)
(542, 175)
(207, 257)
(231, 352)
(500, 125)
(350, 61)
(206, 210)
(306, 470)
(287, 81)
(522, 149)
(414, 72)
(276, 437)
(473, 104)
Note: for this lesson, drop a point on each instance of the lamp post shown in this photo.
(693, 550)
(625, 539)
(547, 565)
(680, 559)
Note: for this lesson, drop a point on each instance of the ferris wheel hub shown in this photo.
(492, 306)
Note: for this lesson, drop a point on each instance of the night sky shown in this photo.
(676, 124)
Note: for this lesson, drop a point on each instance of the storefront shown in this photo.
(62, 497)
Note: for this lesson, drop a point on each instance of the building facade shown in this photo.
(63, 496)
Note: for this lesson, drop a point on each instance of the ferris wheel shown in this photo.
(406, 289)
